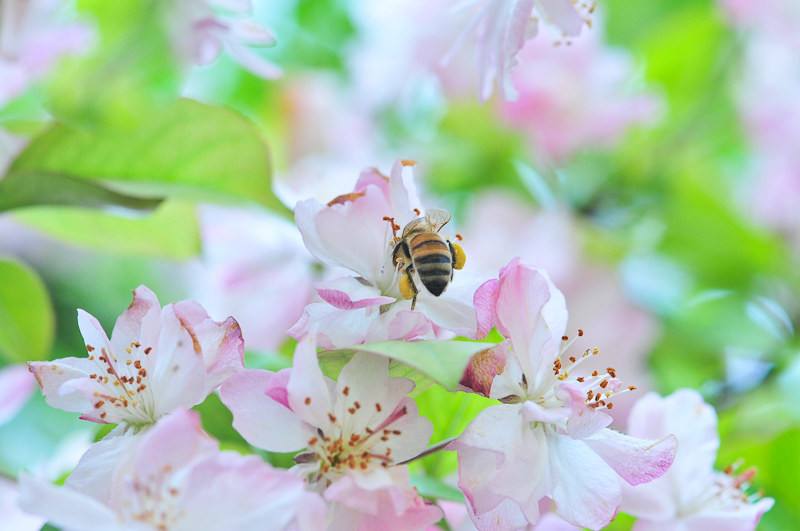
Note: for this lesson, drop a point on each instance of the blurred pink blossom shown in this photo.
(768, 103)
(470, 46)
(352, 434)
(157, 360)
(577, 98)
(201, 29)
(32, 40)
(174, 477)
(16, 386)
(255, 267)
(691, 495)
(550, 239)
(457, 517)
(350, 232)
(776, 18)
(329, 138)
(548, 438)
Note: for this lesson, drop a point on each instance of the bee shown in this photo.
(422, 252)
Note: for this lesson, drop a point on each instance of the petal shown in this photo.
(403, 192)
(242, 493)
(363, 380)
(220, 344)
(53, 376)
(309, 395)
(14, 518)
(178, 377)
(532, 313)
(16, 386)
(139, 322)
(342, 301)
(334, 328)
(483, 367)
(262, 421)
(453, 310)
(249, 32)
(170, 444)
(586, 491)
(93, 334)
(637, 461)
(65, 507)
(561, 13)
(485, 300)
(95, 473)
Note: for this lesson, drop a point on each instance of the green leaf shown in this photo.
(187, 150)
(442, 362)
(436, 489)
(169, 232)
(26, 315)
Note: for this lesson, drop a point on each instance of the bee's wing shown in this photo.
(437, 218)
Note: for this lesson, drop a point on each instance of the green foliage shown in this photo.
(171, 231)
(189, 150)
(26, 316)
(442, 362)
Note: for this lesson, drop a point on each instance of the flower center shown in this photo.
(342, 450)
(598, 386)
(124, 385)
(153, 501)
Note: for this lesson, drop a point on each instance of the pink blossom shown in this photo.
(549, 437)
(351, 232)
(32, 40)
(157, 360)
(550, 239)
(576, 98)
(16, 386)
(458, 518)
(174, 477)
(777, 18)
(352, 434)
(691, 495)
(500, 29)
(201, 29)
(767, 100)
(255, 267)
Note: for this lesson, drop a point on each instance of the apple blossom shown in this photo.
(200, 29)
(576, 98)
(550, 239)
(157, 360)
(32, 40)
(255, 267)
(175, 478)
(353, 231)
(501, 28)
(548, 438)
(352, 434)
(691, 495)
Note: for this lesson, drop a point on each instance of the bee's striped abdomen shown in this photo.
(432, 261)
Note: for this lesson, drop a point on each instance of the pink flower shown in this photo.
(352, 434)
(777, 18)
(16, 386)
(352, 232)
(500, 29)
(458, 518)
(174, 478)
(576, 98)
(156, 361)
(202, 28)
(691, 495)
(550, 240)
(15, 518)
(32, 40)
(254, 267)
(549, 437)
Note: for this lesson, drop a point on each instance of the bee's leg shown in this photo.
(401, 253)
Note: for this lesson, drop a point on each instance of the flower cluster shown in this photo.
(542, 456)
